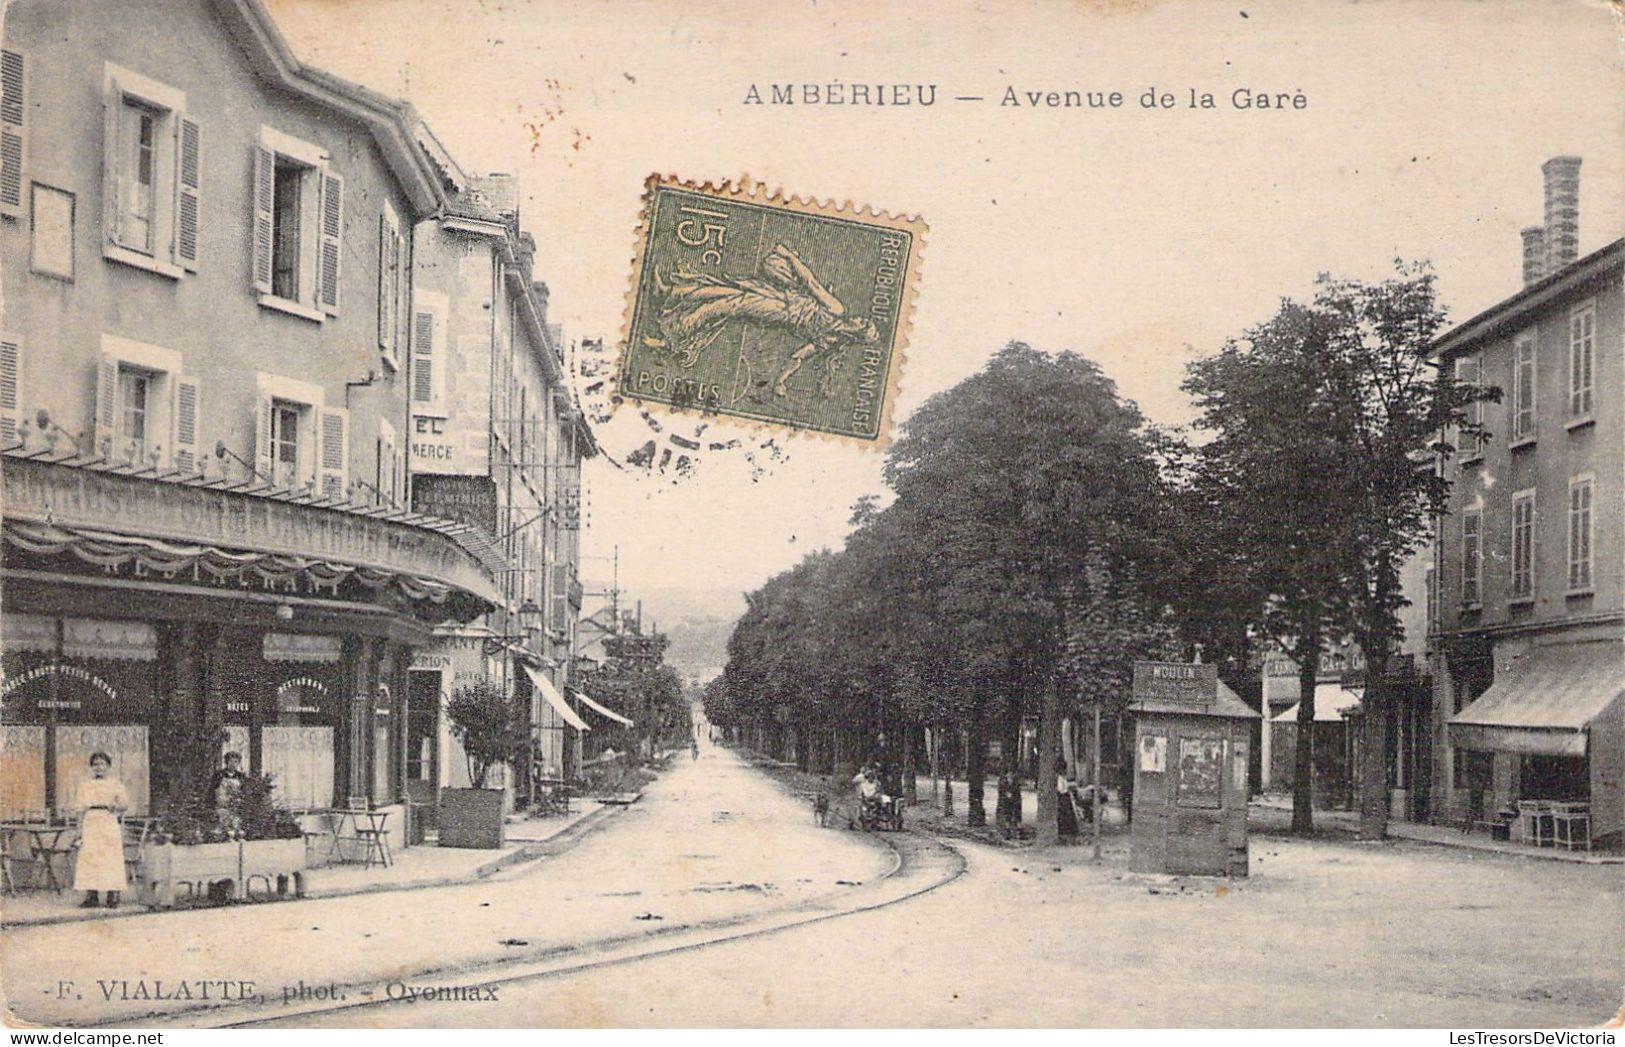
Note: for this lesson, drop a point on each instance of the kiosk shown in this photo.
(1191, 734)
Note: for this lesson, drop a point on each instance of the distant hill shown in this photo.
(698, 622)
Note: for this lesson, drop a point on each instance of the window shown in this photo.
(133, 385)
(298, 222)
(152, 175)
(146, 407)
(1470, 372)
(1472, 556)
(285, 232)
(1523, 545)
(299, 442)
(286, 422)
(1523, 388)
(1580, 534)
(429, 361)
(1582, 355)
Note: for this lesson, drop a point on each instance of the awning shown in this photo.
(1544, 701)
(1331, 701)
(555, 699)
(602, 711)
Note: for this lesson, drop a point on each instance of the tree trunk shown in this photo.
(1307, 652)
(1374, 743)
(1008, 813)
(975, 767)
(804, 744)
(1049, 748)
(910, 787)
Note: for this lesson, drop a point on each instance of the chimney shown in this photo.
(1534, 254)
(1562, 211)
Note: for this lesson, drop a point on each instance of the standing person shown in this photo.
(100, 866)
(227, 781)
(1066, 818)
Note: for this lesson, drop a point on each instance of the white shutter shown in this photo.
(263, 459)
(188, 405)
(423, 362)
(112, 114)
(331, 223)
(106, 404)
(13, 138)
(11, 389)
(188, 189)
(332, 453)
(389, 260)
(385, 478)
(264, 206)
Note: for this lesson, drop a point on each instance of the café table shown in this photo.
(367, 827)
(47, 842)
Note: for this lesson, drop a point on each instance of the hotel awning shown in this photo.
(555, 699)
(1544, 701)
(601, 710)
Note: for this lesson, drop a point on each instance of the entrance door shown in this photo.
(423, 726)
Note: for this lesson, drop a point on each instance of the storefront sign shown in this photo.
(466, 499)
(73, 497)
(1180, 683)
(70, 672)
(293, 695)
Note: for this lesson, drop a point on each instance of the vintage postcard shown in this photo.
(503, 527)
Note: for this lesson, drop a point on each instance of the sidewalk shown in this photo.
(425, 865)
(1273, 813)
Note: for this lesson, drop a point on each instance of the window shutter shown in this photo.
(188, 394)
(423, 358)
(11, 389)
(13, 139)
(385, 478)
(332, 225)
(112, 111)
(106, 403)
(264, 206)
(264, 457)
(388, 288)
(332, 454)
(188, 189)
(561, 598)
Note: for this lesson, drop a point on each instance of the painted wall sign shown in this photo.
(1181, 683)
(466, 499)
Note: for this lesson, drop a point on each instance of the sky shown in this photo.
(1140, 237)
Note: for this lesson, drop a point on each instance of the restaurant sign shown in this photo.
(1177, 683)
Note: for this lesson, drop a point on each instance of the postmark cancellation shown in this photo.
(773, 309)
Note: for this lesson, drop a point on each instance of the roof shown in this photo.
(1332, 700)
(395, 125)
(1510, 311)
(1226, 703)
(1545, 700)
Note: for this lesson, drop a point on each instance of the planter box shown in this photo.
(165, 866)
(471, 818)
(279, 864)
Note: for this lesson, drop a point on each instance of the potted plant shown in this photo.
(272, 846)
(492, 730)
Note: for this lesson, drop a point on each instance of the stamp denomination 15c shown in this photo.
(767, 308)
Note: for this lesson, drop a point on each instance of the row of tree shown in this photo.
(1043, 536)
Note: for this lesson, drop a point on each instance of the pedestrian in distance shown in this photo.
(101, 801)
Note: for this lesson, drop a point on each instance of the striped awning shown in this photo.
(1544, 701)
(551, 696)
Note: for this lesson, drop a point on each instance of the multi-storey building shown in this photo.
(497, 440)
(206, 251)
(1526, 588)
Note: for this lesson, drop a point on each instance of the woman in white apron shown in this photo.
(100, 866)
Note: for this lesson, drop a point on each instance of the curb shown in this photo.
(530, 852)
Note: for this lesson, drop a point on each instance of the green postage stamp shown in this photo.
(773, 309)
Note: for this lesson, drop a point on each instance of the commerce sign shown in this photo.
(467, 499)
(1179, 683)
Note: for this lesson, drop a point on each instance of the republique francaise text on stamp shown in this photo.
(769, 308)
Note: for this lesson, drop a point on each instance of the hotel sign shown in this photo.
(66, 496)
(467, 499)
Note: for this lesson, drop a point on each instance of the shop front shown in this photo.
(140, 613)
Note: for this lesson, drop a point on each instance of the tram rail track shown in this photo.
(922, 864)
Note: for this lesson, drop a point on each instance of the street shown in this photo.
(1321, 934)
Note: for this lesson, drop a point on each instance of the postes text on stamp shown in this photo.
(773, 309)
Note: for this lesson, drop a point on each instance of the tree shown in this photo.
(490, 726)
(1323, 425)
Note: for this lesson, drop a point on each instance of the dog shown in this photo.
(820, 810)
